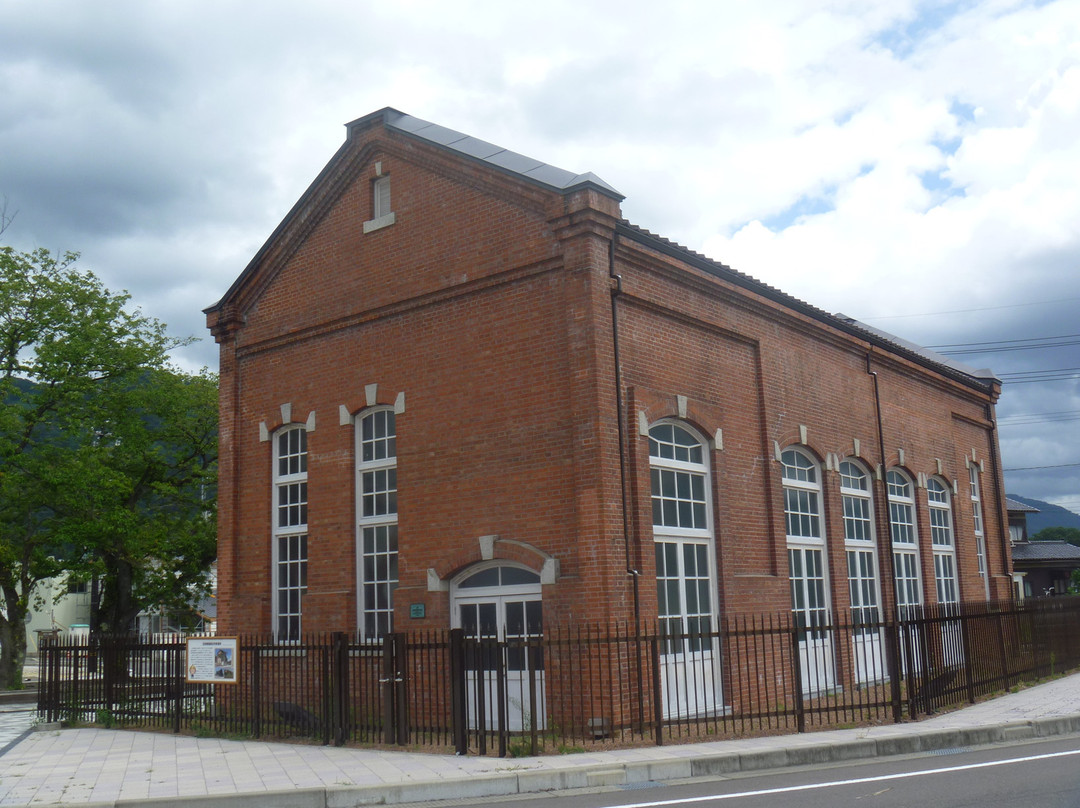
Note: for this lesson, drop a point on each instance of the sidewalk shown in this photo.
(95, 767)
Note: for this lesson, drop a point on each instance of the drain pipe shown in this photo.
(616, 290)
(1002, 534)
(894, 655)
(885, 487)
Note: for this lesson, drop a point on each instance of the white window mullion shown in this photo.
(377, 527)
(905, 542)
(290, 540)
(942, 541)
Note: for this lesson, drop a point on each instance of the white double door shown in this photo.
(689, 654)
(503, 617)
(810, 608)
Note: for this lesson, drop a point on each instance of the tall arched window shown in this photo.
(377, 529)
(941, 540)
(805, 539)
(977, 520)
(682, 531)
(855, 495)
(905, 541)
(807, 568)
(290, 552)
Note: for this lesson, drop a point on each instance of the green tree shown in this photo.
(80, 376)
(1069, 534)
(142, 504)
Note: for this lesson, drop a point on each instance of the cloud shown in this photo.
(884, 159)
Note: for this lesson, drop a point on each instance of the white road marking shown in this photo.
(878, 779)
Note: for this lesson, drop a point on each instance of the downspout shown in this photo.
(893, 654)
(616, 290)
(887, 539)
(1002, 534)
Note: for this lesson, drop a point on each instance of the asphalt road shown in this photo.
(1042, 774)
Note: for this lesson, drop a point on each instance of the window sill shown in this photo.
(377, 224)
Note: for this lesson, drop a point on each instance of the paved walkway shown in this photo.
(95, 767)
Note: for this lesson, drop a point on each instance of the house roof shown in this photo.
(1046, 551)
(562, 181)
(495, 156)
(1015, 506)
(923, 356)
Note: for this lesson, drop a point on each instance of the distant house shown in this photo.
(1040, 568)
(66, 609)
(487, 401)
(1018, 516)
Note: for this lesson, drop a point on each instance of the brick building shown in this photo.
(458, 388)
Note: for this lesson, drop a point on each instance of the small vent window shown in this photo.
(381, 212)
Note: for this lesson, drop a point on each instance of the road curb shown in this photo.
(532, 780)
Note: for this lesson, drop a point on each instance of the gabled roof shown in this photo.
(1046, 551)
(1015, 506)
(562, 181)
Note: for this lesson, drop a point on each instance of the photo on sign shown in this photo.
(212, 659)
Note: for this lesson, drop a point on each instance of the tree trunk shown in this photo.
(12, 644)
(118, 608)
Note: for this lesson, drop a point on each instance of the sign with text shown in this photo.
(211, 659)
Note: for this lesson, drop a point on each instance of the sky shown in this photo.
(915, 165)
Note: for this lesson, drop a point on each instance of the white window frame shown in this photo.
(289, 531)
(864, 586)
(381, 212)
(690, 502)
(942, 540)
(376, 523)
(905, 540)
(977, 520)
(801, 475)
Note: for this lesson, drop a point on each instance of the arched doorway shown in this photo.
(500, 605)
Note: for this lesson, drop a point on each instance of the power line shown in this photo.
(1029, 376)
(1038, 418)
(966, 311)
(1048, 415)
(1003, 346)
(1040, 468)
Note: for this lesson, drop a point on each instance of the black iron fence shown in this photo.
(572, 688)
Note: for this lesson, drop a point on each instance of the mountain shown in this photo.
(1048, 515)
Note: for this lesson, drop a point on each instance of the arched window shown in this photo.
(805, 539)
(377, 529)
(941, 540)
(290, 552)
(682, 532)
(905, 541)
(855, 495)
(977, 520)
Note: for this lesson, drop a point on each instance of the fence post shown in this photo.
(256, 687)
(401, 688)
(327, 653)
(800, 707)
(386, 682)
(968, 661)
(108, 652)
(892, 662)
(497, 660)
(339, 677)
(458, 722)
(658, 703)
(46, 696)
(179, 683)
(534, 682)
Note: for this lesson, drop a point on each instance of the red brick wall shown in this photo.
(759, 374)
(488, 304)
